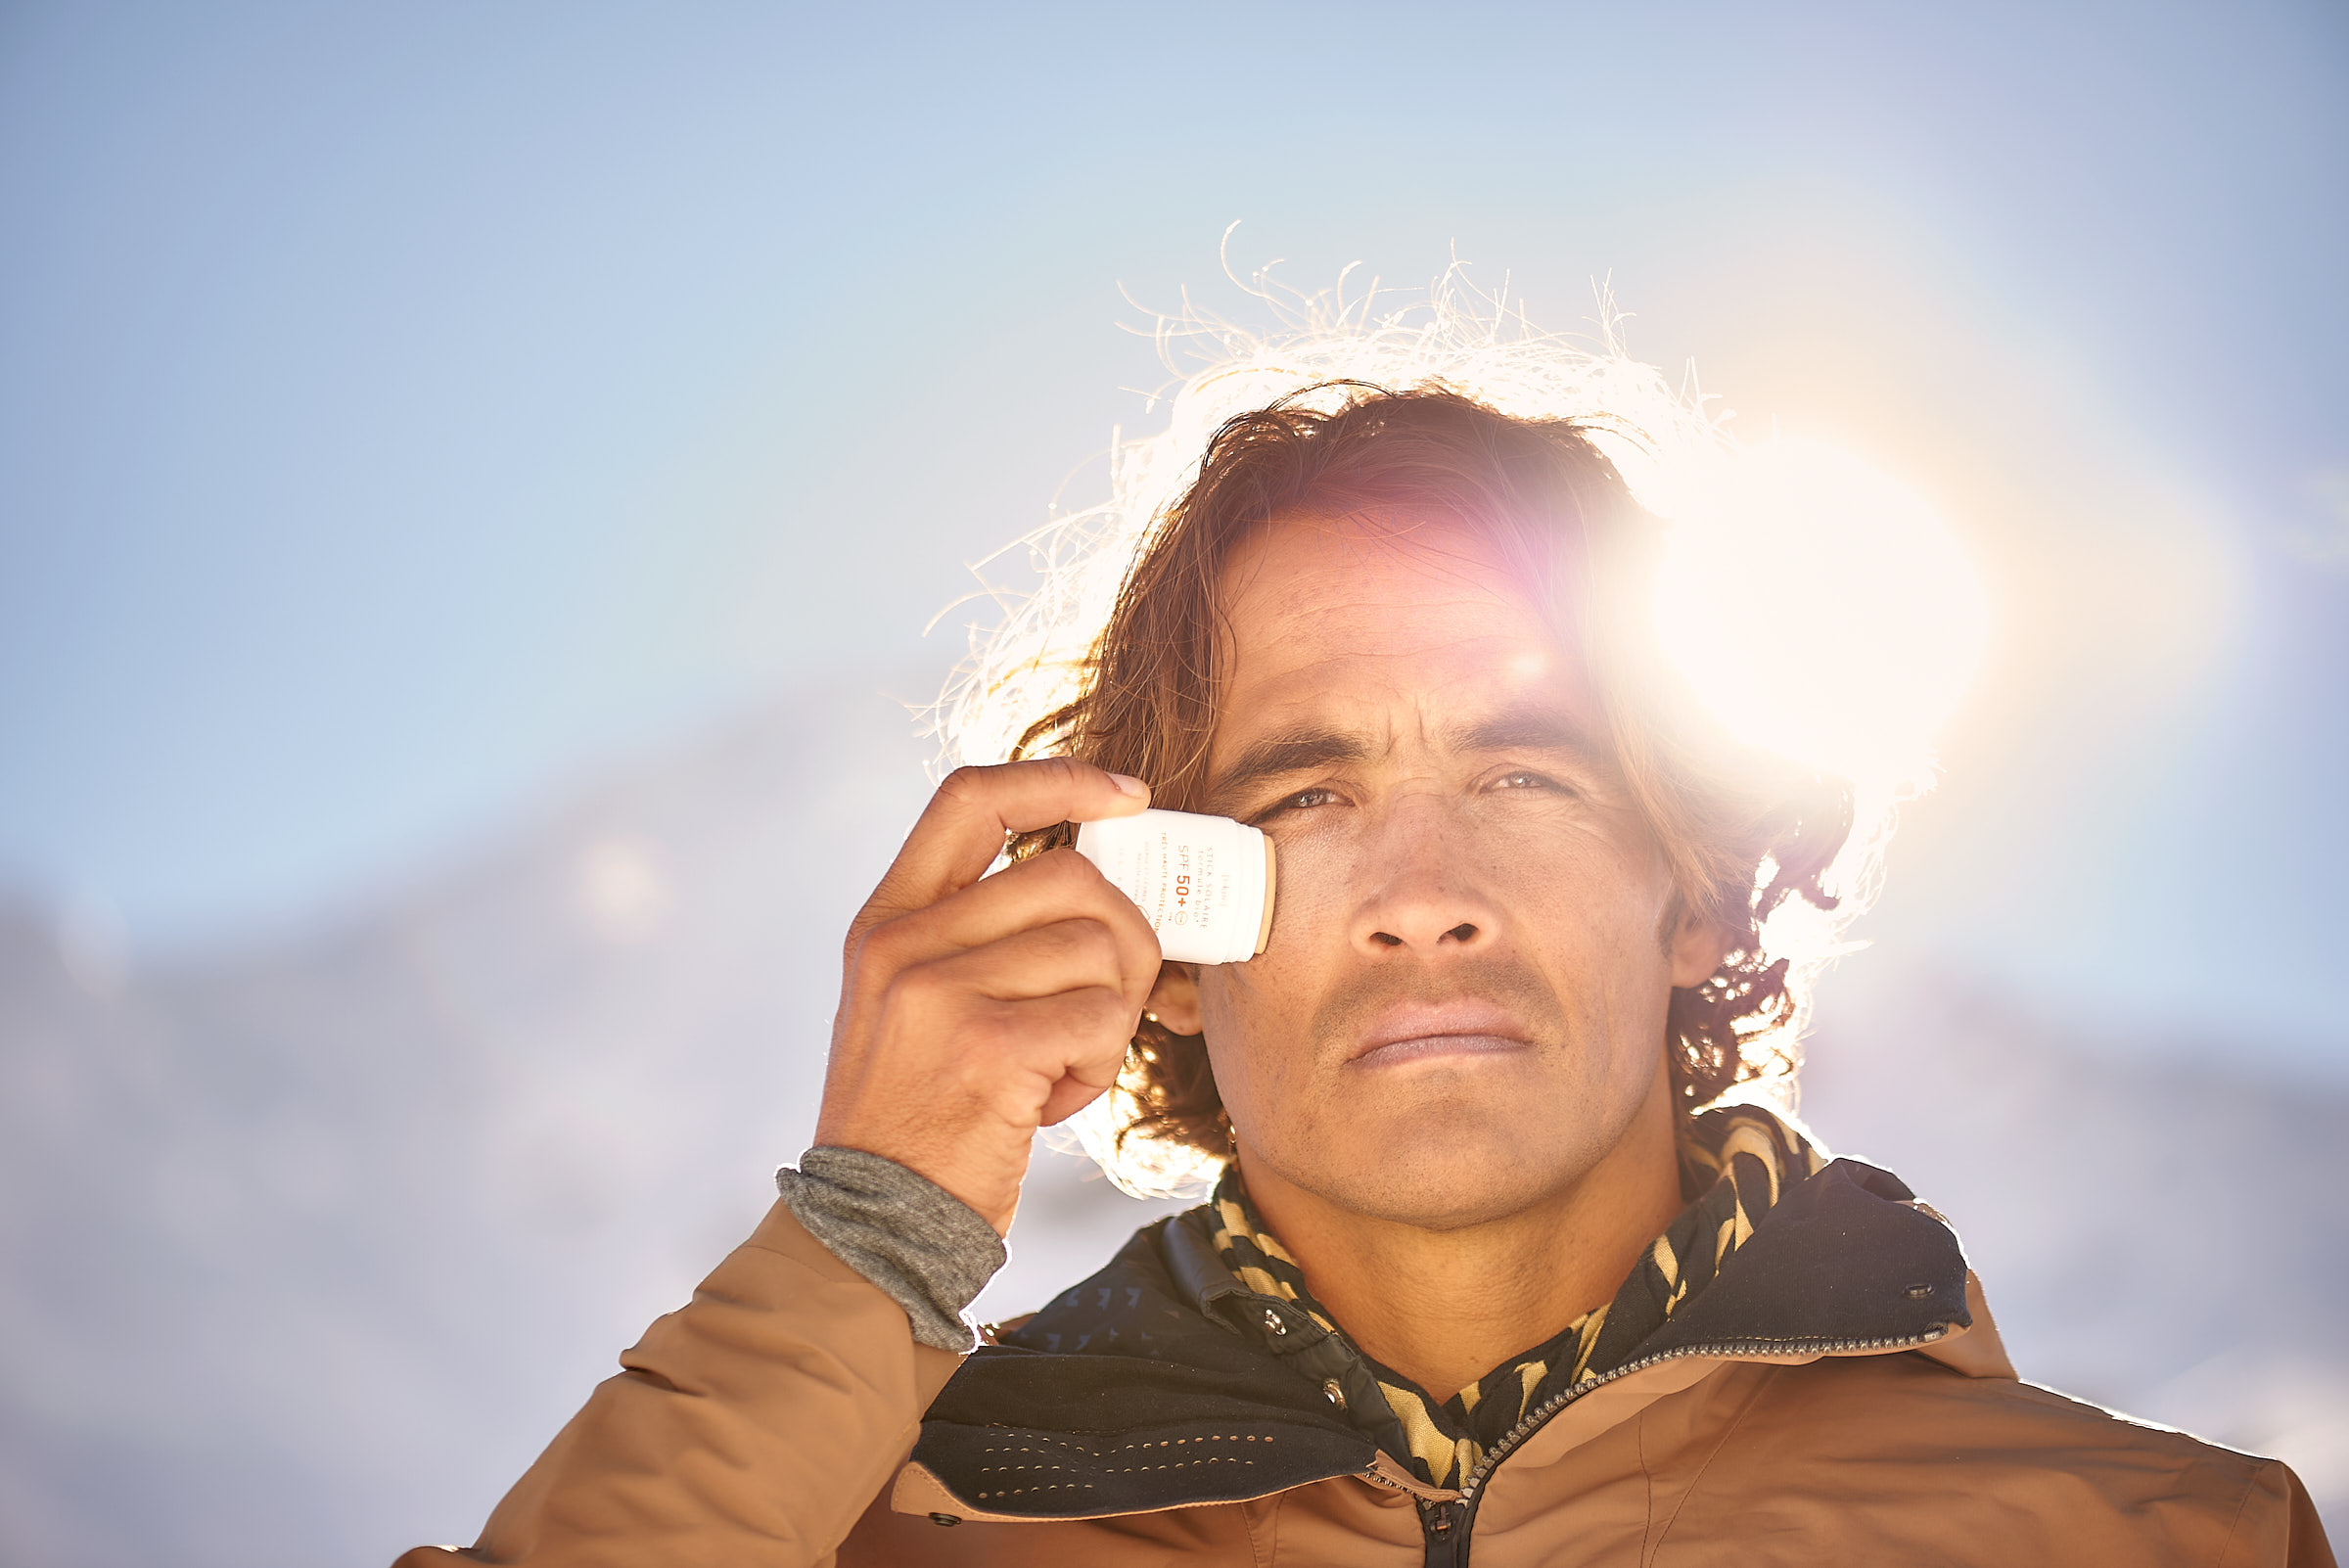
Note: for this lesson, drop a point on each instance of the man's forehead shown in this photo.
(1349, 638)
(1322, 613)
(1533, 716)
(1491, 682)
(1371, 555)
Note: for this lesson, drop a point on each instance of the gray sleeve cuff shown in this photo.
(925, 1249)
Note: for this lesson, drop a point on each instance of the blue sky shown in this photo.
(404, 409)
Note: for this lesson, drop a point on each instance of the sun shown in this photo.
(1821, 608)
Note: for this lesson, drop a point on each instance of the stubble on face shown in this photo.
(1445, 1153)
(1437, 1144)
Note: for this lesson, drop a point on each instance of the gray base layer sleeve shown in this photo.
(927, 1250)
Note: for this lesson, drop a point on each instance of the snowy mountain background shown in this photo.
(314, 1245)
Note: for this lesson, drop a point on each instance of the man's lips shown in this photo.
(1413, 1030)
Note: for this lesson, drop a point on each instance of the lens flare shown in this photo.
(1822, 609)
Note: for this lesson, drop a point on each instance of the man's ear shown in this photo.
(1697, 947)
(1174, 999)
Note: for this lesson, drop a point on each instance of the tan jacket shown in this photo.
(769, 1422)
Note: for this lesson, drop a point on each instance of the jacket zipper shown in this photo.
(1445, 1525)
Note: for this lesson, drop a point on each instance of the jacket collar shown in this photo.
(1736, 1162)
(1165, 1380)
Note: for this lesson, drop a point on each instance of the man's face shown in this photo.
(1462, 1006)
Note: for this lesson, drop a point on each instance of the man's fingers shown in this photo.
(962, 829)
(1065, 955)
(1058, 885)
(1014, 1054)
(1072, 1094)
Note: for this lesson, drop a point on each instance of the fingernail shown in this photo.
(1131, 786)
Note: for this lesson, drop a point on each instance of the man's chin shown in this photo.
(1443, 1176)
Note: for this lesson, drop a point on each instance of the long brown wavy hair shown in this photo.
(1740, 833)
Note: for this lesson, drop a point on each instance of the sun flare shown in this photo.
(1821, 608)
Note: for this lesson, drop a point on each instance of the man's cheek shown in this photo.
(1310, 905)
(1239, 1005)
(1229, 1056)
(1567, 893)
(1255, 1023)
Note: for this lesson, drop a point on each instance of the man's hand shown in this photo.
(975, 1009)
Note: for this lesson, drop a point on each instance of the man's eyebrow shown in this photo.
(1290, 750)
(1514, 729)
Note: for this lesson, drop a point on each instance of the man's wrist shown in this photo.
(921, 1246)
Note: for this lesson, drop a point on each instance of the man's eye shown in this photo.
(1523, 780)
(1304, 799)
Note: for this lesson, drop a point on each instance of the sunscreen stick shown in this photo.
(1204, 883)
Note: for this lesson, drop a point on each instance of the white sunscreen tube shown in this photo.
(1204, 883)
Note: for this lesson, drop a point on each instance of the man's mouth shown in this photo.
(1413, 1031)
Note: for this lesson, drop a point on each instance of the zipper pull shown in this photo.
(1445, 1523)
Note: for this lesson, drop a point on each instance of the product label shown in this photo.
(1191, 875)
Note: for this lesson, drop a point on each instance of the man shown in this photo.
(1493, 1274)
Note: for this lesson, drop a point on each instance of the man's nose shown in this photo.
(1420, 888)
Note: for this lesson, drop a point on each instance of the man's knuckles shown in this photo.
(1009, 794)
(1060, 955)
(936, 1025)
(886, 946)
(1040, 1030)
(1092, 1022)
(966, 784)
(952, 992)
(1040, 890)
(1071, 882)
